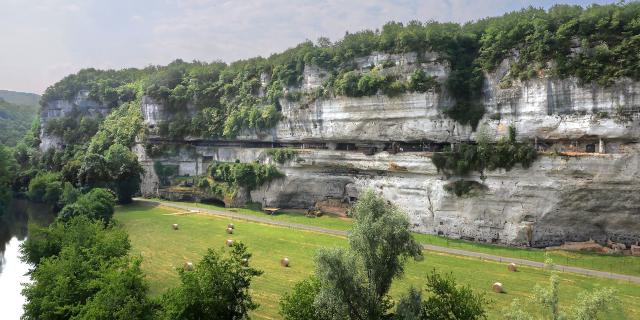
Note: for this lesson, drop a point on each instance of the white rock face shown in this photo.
(60, 108)
(557, 199)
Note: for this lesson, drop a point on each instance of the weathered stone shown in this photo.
(572, 197)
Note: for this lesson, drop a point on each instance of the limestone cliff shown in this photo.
(591, 191)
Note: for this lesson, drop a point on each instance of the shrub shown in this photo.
(298, 304)
(282, 155)
(420, 82)
(45, 188)
(97, 204)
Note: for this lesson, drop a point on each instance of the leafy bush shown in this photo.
(298, 304)
(465, 158)
(97, 204)
(45, 187)
(246, 175)
(282, 155)
(420, 82)
(446, 300)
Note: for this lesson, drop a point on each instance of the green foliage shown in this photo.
(20, 98)
(420, 82)
(122, 295)
(590, 304)
(120, 127)
(216, 288)
(447, 301)
(355, 282)
(15, 121)
(246, 175)
(97, 204)
(461, 187)
(81, 232)
(74, 128)
(598, 43)
(410, 306)
(7, 172)
(465, 158)
(282, 155)
(82, 271)
(298, 304)
(45, 188)
(124, 172)
(165, 172)
(108, 87)
(69, 195)
(594, 44)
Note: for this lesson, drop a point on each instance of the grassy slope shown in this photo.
(618, 264)
(164, 249)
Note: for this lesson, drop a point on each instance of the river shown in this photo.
(13, 231)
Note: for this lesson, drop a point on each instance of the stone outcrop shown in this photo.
(588, 193)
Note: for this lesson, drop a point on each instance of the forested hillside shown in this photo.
(17, 112)
(21, 98)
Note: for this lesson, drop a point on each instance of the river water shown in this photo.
(13, 231)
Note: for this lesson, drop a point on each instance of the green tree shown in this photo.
(589, 306)
(356, 282)
(7, 170)
(122, 295)
(125, 172)
(82, 271)
(299, 303)
(97, 204)
(45, 187)
(217, 288)
(447, 301)
(79, 232)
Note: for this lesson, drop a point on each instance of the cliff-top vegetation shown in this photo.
(595, 44)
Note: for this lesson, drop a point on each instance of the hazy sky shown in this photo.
(41, 41)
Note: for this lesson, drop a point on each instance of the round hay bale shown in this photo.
(512, 267)
(229, 242)
(188, 266)
(174, 226)
(284, 262)
(230, 230)
(245, 262)
(497, 287)
(231, 226)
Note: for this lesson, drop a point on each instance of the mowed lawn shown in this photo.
(164, 249)
(610, 263)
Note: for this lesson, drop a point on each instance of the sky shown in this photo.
(41, 41)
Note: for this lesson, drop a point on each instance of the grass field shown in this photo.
(163, 250)
(610, 263)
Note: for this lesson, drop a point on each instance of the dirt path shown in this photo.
(447, 250)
